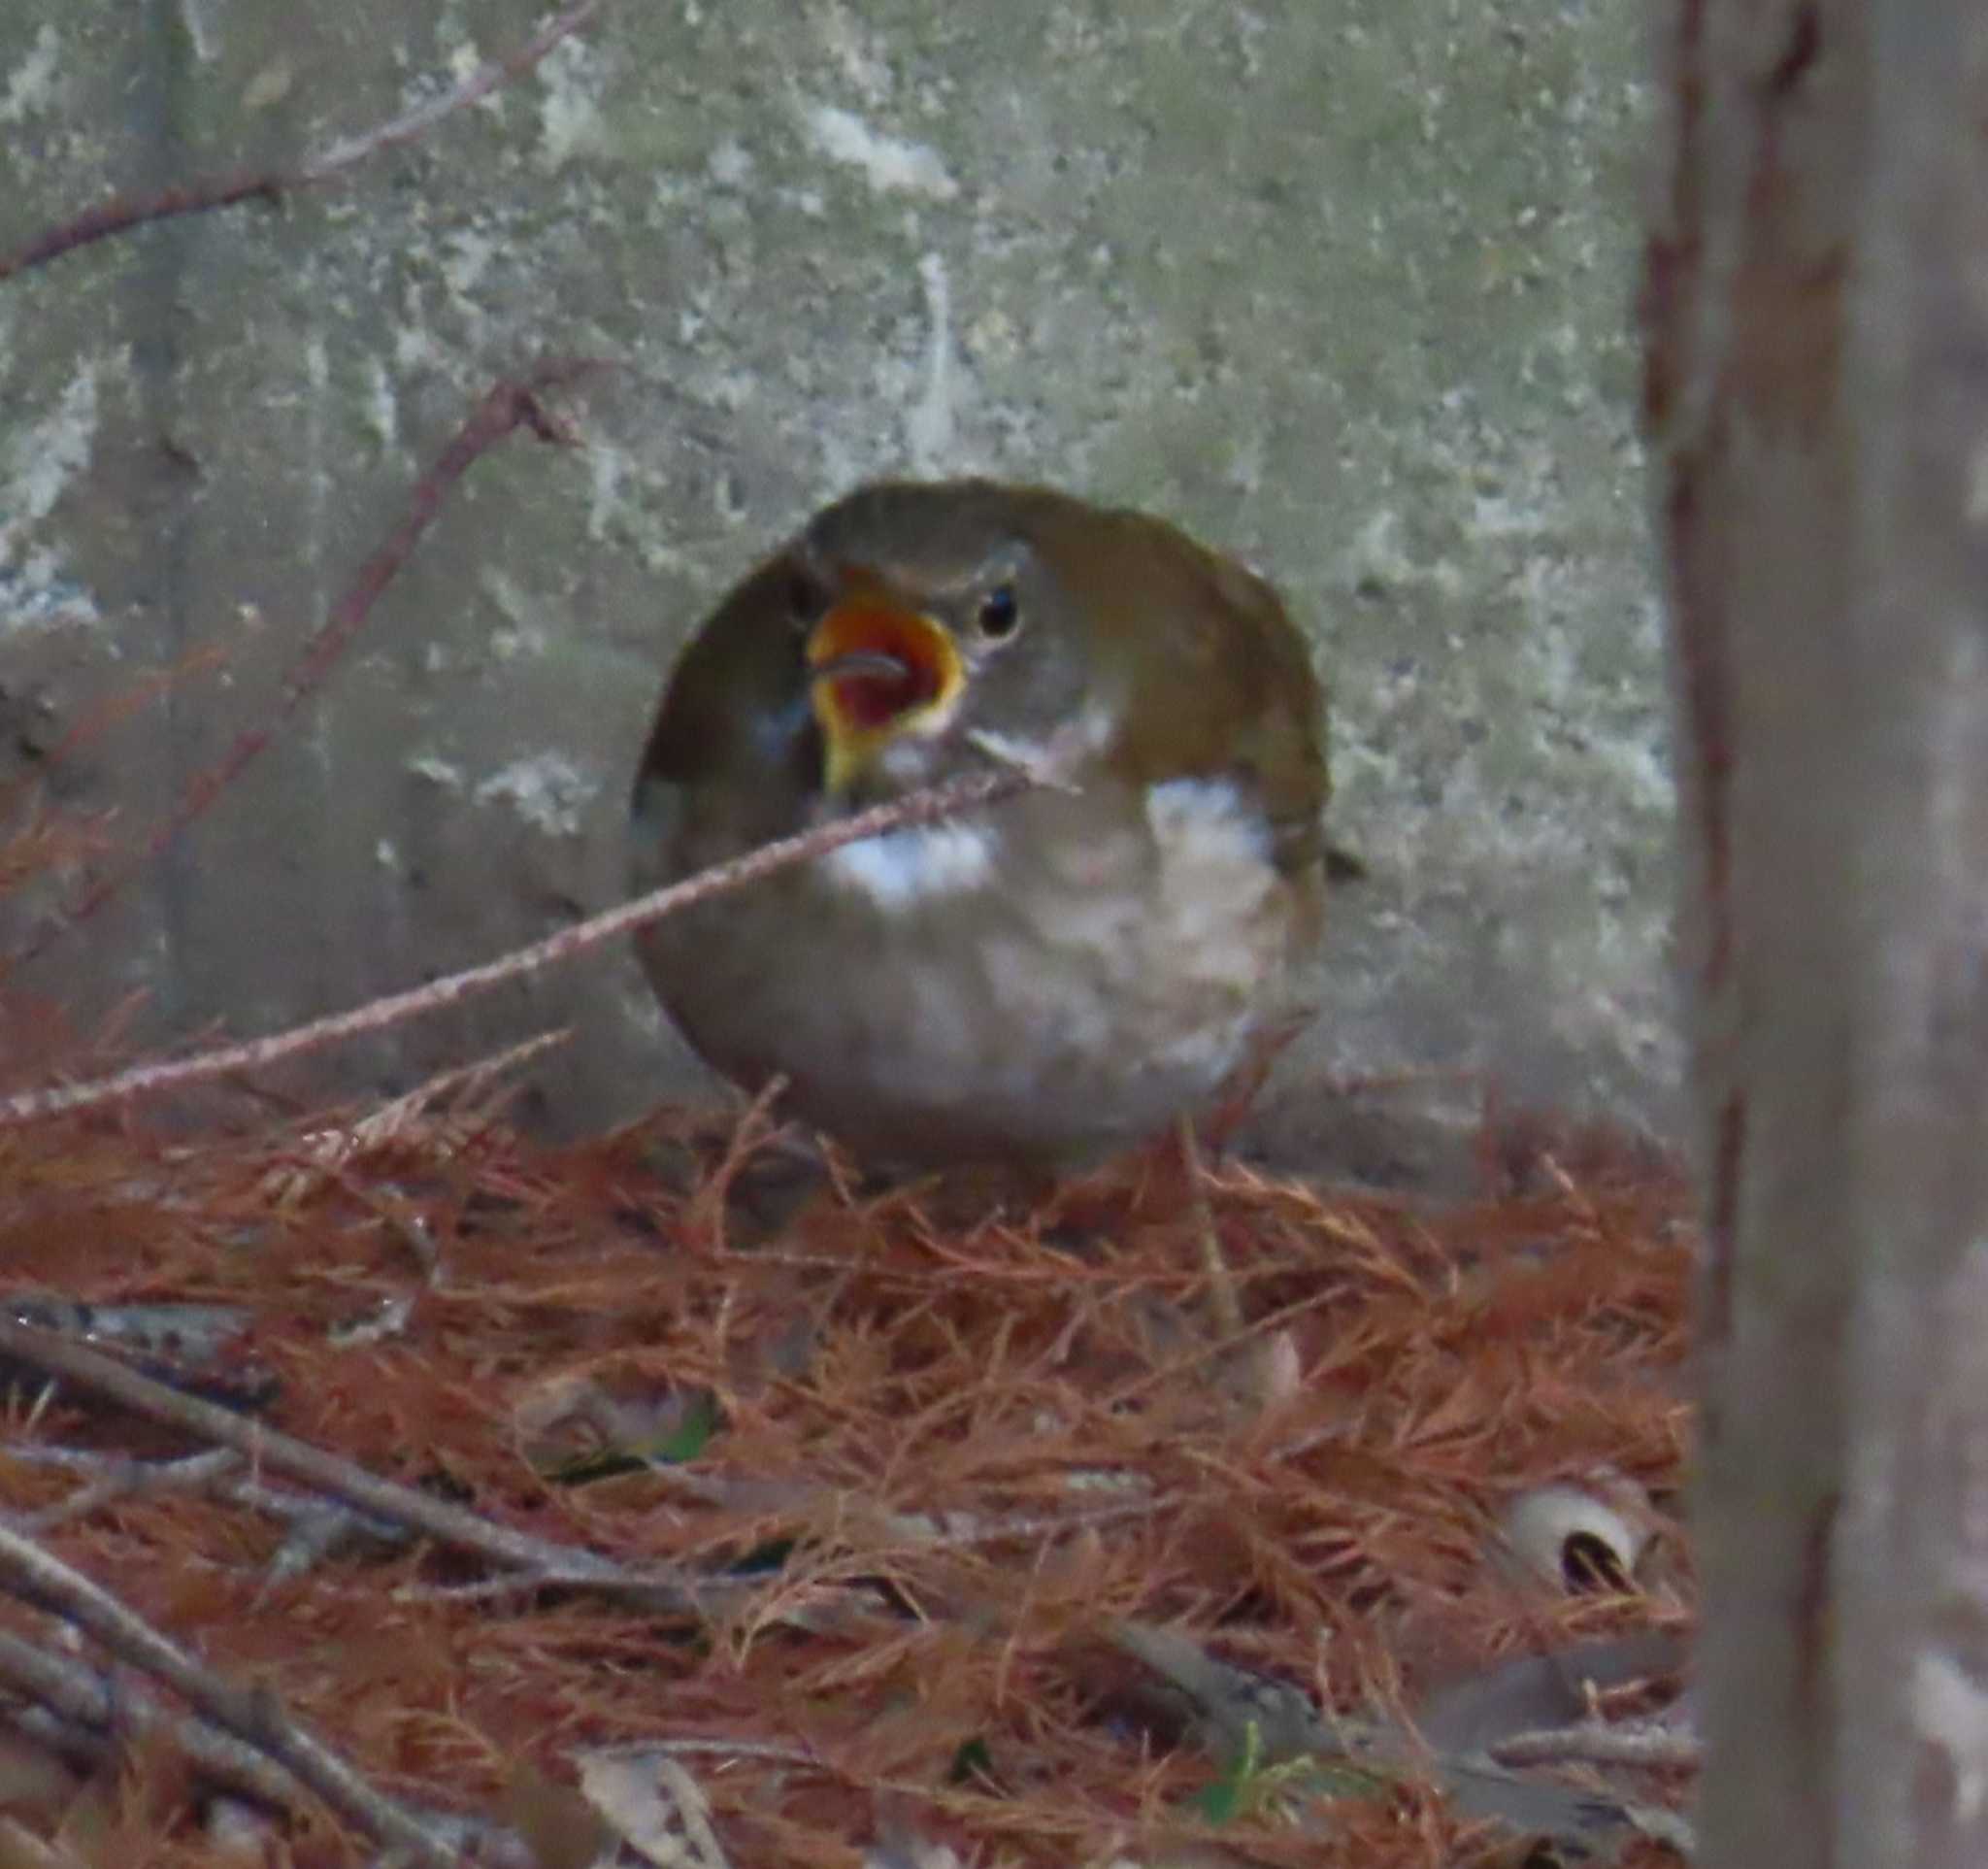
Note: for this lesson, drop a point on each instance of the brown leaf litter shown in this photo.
(920, 1456)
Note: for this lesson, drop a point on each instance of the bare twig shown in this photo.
(772, 1751)
(122, 213)
(74, 1710)
(250, 1715)
(509, 404)
(479, 84)
(116, 1476)
(77, 1695)
(277, 1453)
(129, 1479)
(150, 1079)
(1590, 1744)
(796, 1500)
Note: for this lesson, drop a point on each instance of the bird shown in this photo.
(1051, 978)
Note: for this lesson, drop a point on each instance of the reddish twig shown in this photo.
(149, 1080)
(509, 404)
(116, 215)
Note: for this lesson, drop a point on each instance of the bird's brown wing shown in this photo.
(1222, 683)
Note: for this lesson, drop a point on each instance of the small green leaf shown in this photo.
(971, 1763)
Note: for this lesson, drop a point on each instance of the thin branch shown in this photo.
(253, 1716)
(472, 89)
(273, 1451)
(771, 1752)
(925, 807)
(77, 1695)
(75, 1709)
(308, 1517)
(790, 1501)
(129, 1479)
(122, 213)
(1594, 1744)
(509, 404)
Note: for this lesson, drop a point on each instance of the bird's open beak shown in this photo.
(877, 672)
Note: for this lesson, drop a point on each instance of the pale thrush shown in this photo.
(1047, 976)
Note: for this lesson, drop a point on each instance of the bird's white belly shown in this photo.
(929, 863)
(947, 991)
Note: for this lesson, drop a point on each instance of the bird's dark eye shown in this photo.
(999, 614)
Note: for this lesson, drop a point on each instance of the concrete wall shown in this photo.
(1344, 287)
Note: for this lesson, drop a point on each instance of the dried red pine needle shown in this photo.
(952, 1452)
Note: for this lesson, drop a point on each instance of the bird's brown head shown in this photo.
(912, 629)
(928, 612)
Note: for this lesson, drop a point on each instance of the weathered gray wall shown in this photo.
(1344, 286)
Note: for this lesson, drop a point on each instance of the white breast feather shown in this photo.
(1206, 822)
(906, 866)
(1216, 878)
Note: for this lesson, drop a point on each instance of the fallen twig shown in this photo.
(127, 1478)
(77, 1696)
(75, 1708)
(250, 1715)
(277, 1453)
(795, 1500)
(316, 1524)
(1590, 1744)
